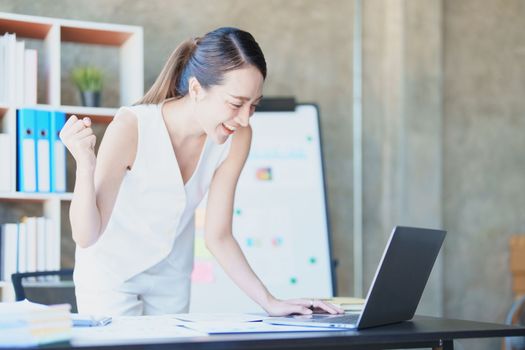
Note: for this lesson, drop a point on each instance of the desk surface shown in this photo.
(420, 332)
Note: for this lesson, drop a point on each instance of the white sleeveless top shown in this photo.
(153, 214)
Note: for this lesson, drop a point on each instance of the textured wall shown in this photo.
(402, 45)
(308, 48)
(484, 168)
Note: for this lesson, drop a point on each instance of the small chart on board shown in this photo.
(279, 217)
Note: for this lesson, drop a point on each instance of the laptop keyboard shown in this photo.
(349, 319)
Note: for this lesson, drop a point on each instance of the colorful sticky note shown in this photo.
(264, 174)
(200, 218)
(200, 249)
(312, 260)
(202, 272)
(277, 241)
(293, 280)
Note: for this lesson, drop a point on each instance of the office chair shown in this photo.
(46, 287)
(516, 315)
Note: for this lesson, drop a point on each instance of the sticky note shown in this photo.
(264, 174)
(202, 272)
(200, 249)
(200, 218)
(277, 241)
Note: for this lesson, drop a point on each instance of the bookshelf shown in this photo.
(53, 32)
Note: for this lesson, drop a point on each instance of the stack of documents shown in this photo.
(27, 324)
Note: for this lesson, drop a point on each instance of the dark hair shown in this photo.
(207, 59)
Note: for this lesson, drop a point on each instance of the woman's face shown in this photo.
(223, 109)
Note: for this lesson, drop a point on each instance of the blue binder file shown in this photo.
(42, 151)
(58, 153)
(26, 151)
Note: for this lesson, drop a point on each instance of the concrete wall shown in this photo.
(484, 168)
(402, 46)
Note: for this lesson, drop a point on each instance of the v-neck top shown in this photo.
(160, 105)
(153, 215)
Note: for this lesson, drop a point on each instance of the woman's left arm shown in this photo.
(221, 243)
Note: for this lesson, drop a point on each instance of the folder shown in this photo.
(26, 152)
(57, 152)
(42, 151)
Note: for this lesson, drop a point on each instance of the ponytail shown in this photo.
(207, 59)
(166, 84)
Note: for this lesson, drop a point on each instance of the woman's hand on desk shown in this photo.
(278, 307)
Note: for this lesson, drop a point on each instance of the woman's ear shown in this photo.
(195, 90)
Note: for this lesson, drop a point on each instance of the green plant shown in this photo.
(87, 78)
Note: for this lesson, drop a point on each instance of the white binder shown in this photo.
(5, 163)
(41, 239)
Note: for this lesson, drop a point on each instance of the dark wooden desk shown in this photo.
(421, 332)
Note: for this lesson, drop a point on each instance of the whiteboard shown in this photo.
(279, 219)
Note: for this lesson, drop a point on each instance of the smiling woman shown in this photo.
(132, 214)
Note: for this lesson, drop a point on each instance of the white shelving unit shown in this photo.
(53, 32)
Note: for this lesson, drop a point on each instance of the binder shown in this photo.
(52, 246)
(57, 152)
(10, 68)
(19, 72)
(26, 151)
(22, 247)
(9, 257)
(5, 163)
(30, 76)
(31, 244)
(41, 244)
(3, 48)
(43, 150)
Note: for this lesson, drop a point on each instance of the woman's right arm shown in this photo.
(98, 178)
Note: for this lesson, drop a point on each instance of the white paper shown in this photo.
(133, 329)
(219, 317)
(250, 327)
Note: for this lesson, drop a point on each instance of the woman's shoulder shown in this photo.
(138, 110)
(125, 121)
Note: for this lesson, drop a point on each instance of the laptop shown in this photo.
(397, 286)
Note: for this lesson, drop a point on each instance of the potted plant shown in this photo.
(89, 82)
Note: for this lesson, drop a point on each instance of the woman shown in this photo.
(133, 206)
